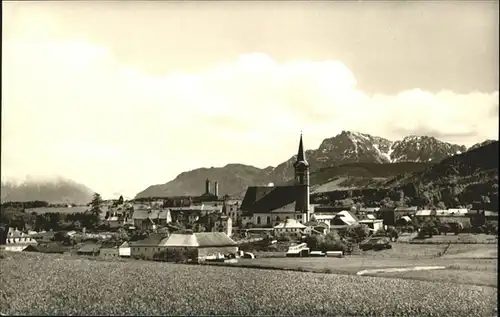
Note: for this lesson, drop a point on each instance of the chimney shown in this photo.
(216, 189)
(207, 186)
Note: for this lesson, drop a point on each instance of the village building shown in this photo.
(147, 248)
(109, 252)
(149, 218)
(124, 249)
(91, 249)
(289, 225)
(269, 205)
(374, 224)
(200, 246)
(54, 248)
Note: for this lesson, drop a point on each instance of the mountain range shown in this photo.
(337, 160)
(54, 191)
(346, 161)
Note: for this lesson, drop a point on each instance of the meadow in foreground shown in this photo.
(52, 284)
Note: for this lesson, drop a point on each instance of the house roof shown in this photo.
(406, 209)
(213, 239)
(289, 223)
(369, 209)
(89, 247)
(202, 239)
(406, 218)
(424, 212)
(370, 217)
(151, 240)
(347, 217)
(323, 217)
(458, 211)
(487, 213)
(316, 224)
(264, 199)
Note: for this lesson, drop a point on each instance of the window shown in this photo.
(258, 220)
(278, 218)
(268, 220)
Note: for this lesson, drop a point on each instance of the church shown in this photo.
(270, 205)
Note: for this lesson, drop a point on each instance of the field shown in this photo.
(60, 285)
(464, 238)
(460, 261)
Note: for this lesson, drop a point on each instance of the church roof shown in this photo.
(301, 155)
(264, 199)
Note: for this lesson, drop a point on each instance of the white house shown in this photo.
(124, 250)
(374, 224)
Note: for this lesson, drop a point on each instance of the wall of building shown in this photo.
(146, 252)
(109, 252)
(124, 251)
(276, 218)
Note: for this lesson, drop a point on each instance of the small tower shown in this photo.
(301, 167)
(207, 186)
(216, 189)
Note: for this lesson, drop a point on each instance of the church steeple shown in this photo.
(301, 167)
(301, 154)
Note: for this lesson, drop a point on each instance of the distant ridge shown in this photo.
(344, 148)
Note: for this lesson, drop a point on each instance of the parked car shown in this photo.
(376, 243)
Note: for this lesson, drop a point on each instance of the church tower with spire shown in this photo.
(301, 167)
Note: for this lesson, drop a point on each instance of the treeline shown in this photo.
(25, 204)
(48, 221)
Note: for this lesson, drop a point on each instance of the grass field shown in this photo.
(59, 285)
(461, 238)
(461, 260)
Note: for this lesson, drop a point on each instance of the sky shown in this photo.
(122, 95)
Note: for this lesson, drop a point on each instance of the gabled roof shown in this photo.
(203, 239)
(89, 247)
(289, 224)
(264, 199)
(152, 240)
(347, 217)
(424, 212)
(406, 209)
(214, 239)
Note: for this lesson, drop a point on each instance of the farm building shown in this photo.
(148, 247)
(109, 252)
(47, 248)
(200, 245)
(289, 225)
(89, 249)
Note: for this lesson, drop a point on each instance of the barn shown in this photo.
(201, 245)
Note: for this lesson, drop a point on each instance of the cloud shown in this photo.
(71, 108)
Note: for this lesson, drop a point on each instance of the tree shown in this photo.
(120, 200)
(96, 204)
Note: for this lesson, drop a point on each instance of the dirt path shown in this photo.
(401, 269)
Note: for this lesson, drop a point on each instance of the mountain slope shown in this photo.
(344, 148)
(232, 179)
(54, 191)
(460, 180)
